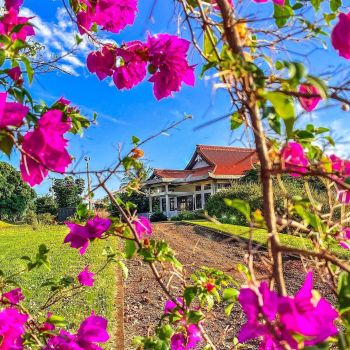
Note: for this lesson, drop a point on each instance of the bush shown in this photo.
(251, 192)
(187, 215)
(46, 219)
(31, 218)
(46, 204)
(158, 216)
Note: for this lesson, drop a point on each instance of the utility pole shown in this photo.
(87, 160)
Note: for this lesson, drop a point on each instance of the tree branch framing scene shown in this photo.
(174, 174)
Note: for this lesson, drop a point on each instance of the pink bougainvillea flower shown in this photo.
(308, 314)
(168, 63)
(309, 103)
(13, 4)
(91, 331)
(133, 68)
(190, 334)
(111, 15)
(341, 172)
(341, 35)
(16, 75)
(277, 319)
(11, 329)
(11, 21)
(187, 340)
(294, 159)
(11, 113)
(143, 227)
(44, 148)
(79, 236)
(102, 62)
(48, 326)
(86, 277)
(276, 2)
(343, 237)
(14, 296)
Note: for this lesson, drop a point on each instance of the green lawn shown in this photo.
(260, 236)
(16, 241)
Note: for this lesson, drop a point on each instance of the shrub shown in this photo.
(158, 216)
(46, 204)
(31, 218)
(46, 219)
(251, 193)
(187, 215)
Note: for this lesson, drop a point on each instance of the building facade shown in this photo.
(210, 169)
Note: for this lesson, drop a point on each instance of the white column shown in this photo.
(202, 194)
(150, 202)
(167, 204)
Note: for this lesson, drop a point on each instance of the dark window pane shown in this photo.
(198, 201)
(207, 187)
(198, 188)
(172, 203)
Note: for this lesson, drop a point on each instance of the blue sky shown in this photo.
(122, 114)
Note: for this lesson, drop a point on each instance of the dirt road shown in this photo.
(196, 247)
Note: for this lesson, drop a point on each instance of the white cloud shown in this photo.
(58, 38)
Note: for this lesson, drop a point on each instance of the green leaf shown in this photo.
(282, 14)
(335, 4)
(209, 45)
(135, 140)
(319, 84)
(189, 294)
(29, 69)
(194, 316)
(2, 57)
(230, 294)
(240, 205)
(6, 144)
(236, 121)
(130, 249)
(284, 107)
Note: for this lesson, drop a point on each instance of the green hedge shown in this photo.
(251, 192)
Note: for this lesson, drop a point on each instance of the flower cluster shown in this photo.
(80, 236)
(188, 335)
(111, 15)
(91, 331)
(11, 113)
(44, 148)
(283, 320)
(14, 26)
(293, 158)
(165, 55)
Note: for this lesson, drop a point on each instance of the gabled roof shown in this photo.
(215, 162)
(225, 160)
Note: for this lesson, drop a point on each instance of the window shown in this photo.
(163, 204)
(207, 187)
(190, 203)
(172, 204)
(198, 188)
(198, 201)
(206, 197)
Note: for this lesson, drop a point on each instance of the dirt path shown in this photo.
(195, 247)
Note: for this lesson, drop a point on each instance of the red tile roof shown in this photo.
(226, 160)
(180, 174)
(223, 161)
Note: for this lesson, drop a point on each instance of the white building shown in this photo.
(210, 169)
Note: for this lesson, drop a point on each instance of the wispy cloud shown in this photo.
(58, 38)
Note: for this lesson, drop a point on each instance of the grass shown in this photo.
(259, 236)
(17, 241)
